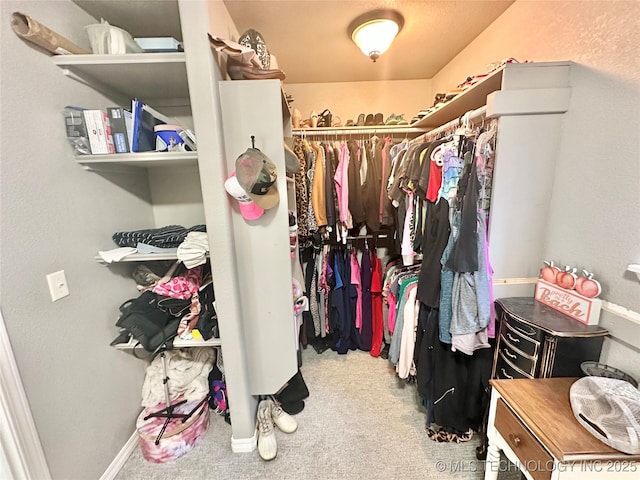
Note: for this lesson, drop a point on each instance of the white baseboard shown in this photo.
(244, 445)
(19, 440)
(120, 459)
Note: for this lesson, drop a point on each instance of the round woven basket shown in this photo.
(596, 369)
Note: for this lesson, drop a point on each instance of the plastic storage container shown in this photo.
(107, 39)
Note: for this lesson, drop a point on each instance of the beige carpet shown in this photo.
(360, 422)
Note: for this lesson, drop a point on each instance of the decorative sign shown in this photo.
(569, 302)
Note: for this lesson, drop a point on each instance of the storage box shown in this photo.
(571, 303)
(159, 44)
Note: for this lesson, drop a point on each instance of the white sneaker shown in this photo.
(282, 419)
(267, 445)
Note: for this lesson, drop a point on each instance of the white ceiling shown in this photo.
(311, 43)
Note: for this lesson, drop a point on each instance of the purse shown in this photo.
(151, 322)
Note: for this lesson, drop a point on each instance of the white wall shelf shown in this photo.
(140, 160)
(474, 97)
(177, 343)
(161, 76)
(471, 99)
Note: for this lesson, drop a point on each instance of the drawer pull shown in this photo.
(527, 332)
(509, 354)
(516, 440)
(510, 337)
(506, 374)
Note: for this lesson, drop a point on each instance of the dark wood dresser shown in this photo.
(535, 341)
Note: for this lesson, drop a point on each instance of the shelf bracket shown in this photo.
(635, 268)
(118, 169)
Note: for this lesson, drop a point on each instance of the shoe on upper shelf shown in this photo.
(378, 119)
(396, 119)
(324, 119)
(243, 71)
(400, 120)
(391, 120)
(296, 118)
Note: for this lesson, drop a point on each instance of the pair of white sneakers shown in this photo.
(269, 413)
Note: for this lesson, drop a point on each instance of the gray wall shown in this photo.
(84, 395)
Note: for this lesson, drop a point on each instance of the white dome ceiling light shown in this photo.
(374, 31)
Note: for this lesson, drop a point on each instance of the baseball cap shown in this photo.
(248, 208)
(257, 175)
(609, 408)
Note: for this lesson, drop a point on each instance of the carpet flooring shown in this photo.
(360, 421)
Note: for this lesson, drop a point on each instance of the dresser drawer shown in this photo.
(528, 345)
(508, 371)
(515, 356)
(526, 447)
(524, 328)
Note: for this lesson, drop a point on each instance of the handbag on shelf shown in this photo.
(151, 320)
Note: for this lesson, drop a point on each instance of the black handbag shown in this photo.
(152, 319)
(208, 319)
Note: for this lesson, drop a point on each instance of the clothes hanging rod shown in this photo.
(358, 237)
(471, 115)
(347, 131)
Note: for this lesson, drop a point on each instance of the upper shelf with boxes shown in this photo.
(125, 69)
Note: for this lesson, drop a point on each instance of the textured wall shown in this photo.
(595, 218)
(84, 395)
(595, 221)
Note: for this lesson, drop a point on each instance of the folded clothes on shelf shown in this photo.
(166, 237)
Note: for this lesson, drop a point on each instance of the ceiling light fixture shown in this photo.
(373, 32)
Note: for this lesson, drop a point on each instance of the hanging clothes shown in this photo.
(330, 163)
(356, 205)
(341, 180)
(436, 236)
(366, 331)
(464, 254)
(318, 189)
(373, 183)
(377, 321)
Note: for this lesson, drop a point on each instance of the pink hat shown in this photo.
(248, 208)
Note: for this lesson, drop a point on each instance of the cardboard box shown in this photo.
(569, 302)
(96, 131)
(118, 118)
